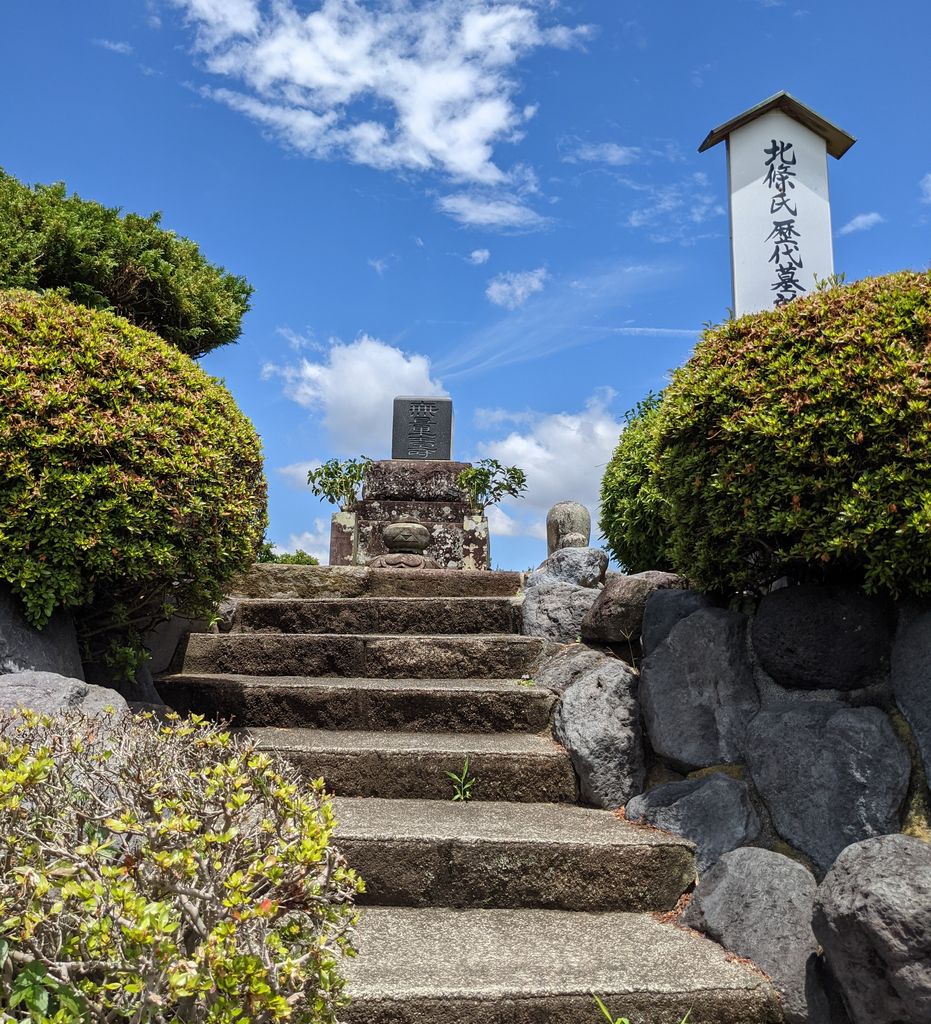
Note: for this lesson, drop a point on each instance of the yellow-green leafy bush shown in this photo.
(164, 873)
(798, 442)
(129, 479)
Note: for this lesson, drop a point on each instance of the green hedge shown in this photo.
(127, 264)
(128, 477)
(634, 513)
(798, 442)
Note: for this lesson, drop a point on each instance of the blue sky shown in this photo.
(496, 199)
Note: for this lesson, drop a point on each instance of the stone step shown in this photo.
(506, 766)
(270, 579)
(488, 854)
(442, 966)
(388, 615)
(493, 656)
(334, 702)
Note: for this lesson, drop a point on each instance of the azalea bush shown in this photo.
(795, 442)
(124, 263)
(130, 483)
(162, 873)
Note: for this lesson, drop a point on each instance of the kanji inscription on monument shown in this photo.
(780, 210)
(422, 428)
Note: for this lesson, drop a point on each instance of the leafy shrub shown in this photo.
(487, 482)
(129, 480)
(127, 264)
(164, 873)
(634, 515)
(339, 480)
(798, 442)
(267, 553)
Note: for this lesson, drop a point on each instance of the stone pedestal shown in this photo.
(418, 490)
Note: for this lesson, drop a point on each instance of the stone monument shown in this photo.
(780, 211)
(416, 487)
(568, 525)
(422, 428)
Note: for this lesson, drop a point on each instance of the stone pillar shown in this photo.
(344, 539)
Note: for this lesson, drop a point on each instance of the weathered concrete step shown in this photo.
(419, 853)
(390, 615)
(439, 966)
(506, 766)
(269, 579)
(427, 705)
(388, 657)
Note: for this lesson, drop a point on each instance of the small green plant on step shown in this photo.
(462, 784)
(339, 480)
(526, 681)
(489, 481)
(625, 1020)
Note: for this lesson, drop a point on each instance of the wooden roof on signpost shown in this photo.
(838, 141)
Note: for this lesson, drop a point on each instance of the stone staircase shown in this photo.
(514, 907)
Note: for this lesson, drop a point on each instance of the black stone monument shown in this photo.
(422, 428)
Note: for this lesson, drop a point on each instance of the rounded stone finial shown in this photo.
(406, 542)
(406, 538)
(568, 525)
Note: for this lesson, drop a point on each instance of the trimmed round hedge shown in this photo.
(124, 263)
(797, 442)
(129, 479)
(634, 513)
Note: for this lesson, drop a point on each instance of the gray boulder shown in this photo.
(568, 525)
(583, 567)
(715, 812)
(53, 694)
(664, 608)
(23, 648)
(555, 610)
(829, 775)
(570, 662)
(911, 680)
(758, 905)
(697, 692)
(873, 919)
(560, 592)
(598, 722)
(822, 638)
(617, 615)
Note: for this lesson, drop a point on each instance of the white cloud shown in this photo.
(221, 20)
(354, 386)
(315, 542)
(925, 186)
(296, 473)
(572, 312)
(396, 85)
(124, 49)
(604, 153)
(513, 288)
(299, 341)
(862, 222)
(673, 212)
(382, 263)
(479, 256)
(498, 211)
(564, 456)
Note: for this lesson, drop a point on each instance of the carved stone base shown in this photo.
(402, 561)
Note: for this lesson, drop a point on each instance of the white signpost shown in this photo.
(780, 210)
